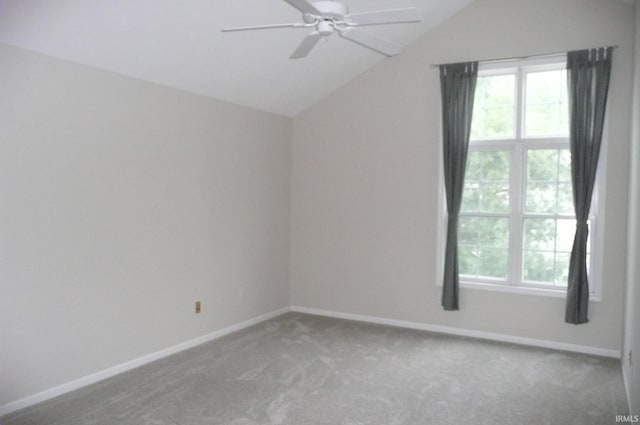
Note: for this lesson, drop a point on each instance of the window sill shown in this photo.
(542, 292)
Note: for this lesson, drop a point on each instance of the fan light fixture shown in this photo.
(328, 17)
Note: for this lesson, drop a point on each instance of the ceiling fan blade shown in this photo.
(390, 16)
(304, 6)
(264, 27)
(373, 42)
(307, 44)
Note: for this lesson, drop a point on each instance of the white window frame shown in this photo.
(517, 146)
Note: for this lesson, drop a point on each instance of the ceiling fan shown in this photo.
(327, 17)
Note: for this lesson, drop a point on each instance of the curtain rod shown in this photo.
(437, 65)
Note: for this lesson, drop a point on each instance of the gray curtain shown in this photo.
(458, 86)
(589, 72)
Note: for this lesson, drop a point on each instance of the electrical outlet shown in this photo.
(198, 307)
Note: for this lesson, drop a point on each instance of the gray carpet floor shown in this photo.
(308, 370)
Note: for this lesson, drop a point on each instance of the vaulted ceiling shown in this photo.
(178, 43)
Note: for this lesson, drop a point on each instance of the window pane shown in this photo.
(492, 231)
(494, 107)
(539, 267)
(562, 269)
(542, 165)
(565, 199)
(493, 263)
(471, 196)
(486, 187)
(546, 250)
(467, 231)
(495, 166)
(564, 166)
(484, 231)
(565, 235)
(546, 105)
(548, 186)
(494, 197)
(483, 246)
(468, 260)
(539, 234)
(541, 198)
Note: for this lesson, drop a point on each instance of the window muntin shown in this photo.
(517, 223)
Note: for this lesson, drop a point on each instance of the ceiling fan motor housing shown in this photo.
(325, 27)
(331, 9)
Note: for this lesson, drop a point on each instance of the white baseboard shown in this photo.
(627, 388)
(112, 371)
(463, 332)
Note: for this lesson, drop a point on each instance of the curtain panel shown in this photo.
(457, 86)
(589, 72)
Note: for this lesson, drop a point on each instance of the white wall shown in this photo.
(631, 368)
(121, 204)
(366, 171)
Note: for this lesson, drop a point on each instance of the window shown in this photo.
(517, 223)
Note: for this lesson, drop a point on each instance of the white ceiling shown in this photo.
(178, 43)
